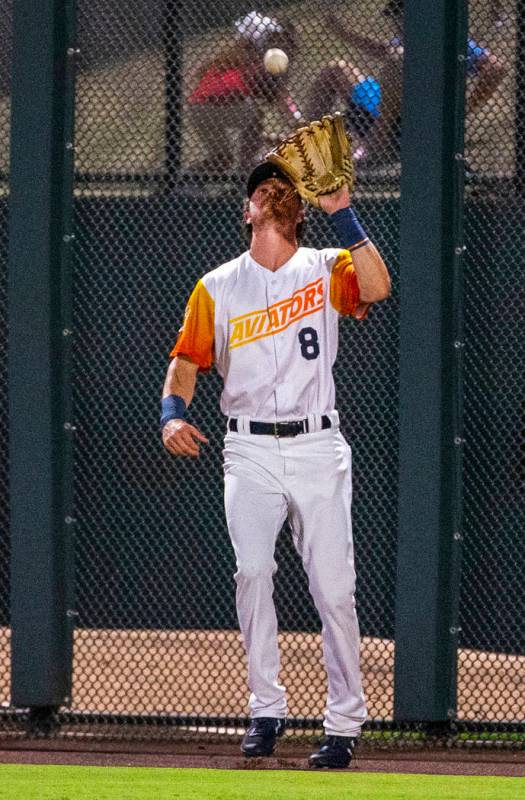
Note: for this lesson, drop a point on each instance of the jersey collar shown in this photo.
(283, 268)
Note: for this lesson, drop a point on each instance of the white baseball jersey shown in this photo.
(272, 335)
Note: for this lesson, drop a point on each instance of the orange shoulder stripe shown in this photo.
(344, 288)
(196, 337)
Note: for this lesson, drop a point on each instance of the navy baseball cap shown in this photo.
(264, 172)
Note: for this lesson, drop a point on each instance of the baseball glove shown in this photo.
(317, 158)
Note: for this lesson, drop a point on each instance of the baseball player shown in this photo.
(268, 321)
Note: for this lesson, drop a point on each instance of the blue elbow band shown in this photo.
(172, 407)
(349, 229)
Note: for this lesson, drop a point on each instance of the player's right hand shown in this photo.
(181, 438)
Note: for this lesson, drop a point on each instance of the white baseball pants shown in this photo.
(306, 478)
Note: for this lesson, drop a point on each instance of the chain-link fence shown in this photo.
(173, 107)
(160, 138)
(5, 72)
(492, 607)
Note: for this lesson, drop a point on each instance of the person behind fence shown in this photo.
(268, 320)
(373, 103)
(227, 104)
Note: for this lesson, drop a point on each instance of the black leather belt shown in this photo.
(280, 429)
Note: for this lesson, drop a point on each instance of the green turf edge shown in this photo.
(32, 782)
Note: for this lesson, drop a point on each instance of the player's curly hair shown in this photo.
(247, 228)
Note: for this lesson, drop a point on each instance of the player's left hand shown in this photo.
(330, 203)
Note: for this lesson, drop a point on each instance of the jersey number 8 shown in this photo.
(309, 342)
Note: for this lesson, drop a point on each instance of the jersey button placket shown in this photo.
(273, 290)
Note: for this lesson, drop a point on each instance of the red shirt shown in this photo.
(227, 84)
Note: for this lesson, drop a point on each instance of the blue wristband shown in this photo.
(349, 228)
(173, 407)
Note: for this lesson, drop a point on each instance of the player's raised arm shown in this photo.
(317, 160)
(371, 271)
(178, 436)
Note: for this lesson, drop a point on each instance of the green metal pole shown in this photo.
(38, 296)
(431, 440)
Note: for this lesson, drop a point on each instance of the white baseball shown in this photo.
(275, 61)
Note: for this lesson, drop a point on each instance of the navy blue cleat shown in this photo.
(336, 752)
(261, 737)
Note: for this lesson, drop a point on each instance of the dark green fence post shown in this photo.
(39, 427)
(430, 361)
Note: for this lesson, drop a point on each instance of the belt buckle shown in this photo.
(276, 430)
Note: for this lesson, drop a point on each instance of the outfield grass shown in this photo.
(27, 782)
